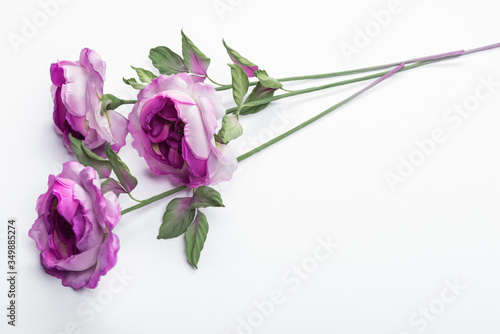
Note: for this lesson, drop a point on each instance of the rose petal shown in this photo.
(57, 75)
(195, 133)
(63, 190)
(90, 60)
(77, 262)
(204, 91)
(38, 233)
(75, 280)
(221, 164)
(118, 125)
(197, 167)
(74, 92)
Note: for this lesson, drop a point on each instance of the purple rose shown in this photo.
(77, 92)
(74, 227)
(173, 125)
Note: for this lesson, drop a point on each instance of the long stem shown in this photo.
(382, 76)
(128, 101)
(335, 84)
(216, 83)
(272, 141)
(483, 48)
(378, 67)
(153, 199)
(315, 118)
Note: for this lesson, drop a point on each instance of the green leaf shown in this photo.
(238, 58)
(167, 61)
(144, 75)
(88, 158)
(260, 92)
(88, 152)
(133, 82)
(113, 186)
(194, 59)
(178, 216)
(196, 235)
(205, 197)
(266, 80)
(231, 128)
(127, 180)
(240, 83)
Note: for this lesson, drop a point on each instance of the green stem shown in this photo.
(315, 118)
(128, 101)
(335, 84)
(382, 76)
(133, 198)
(216, 83)
(153, 199)
(378, 67)
(270, 142)
(370, 68)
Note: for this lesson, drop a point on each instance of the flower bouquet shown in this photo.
(179, 127)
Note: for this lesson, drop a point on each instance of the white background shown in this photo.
(399, 250)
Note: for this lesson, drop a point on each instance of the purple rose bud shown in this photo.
(231, 128)
(173, 125)
(74, 227)
(238, 59)
(249, 69)
(194, 59)
(77, 91)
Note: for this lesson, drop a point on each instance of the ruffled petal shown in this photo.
(75, 279)
(197, 167)
(90, 60)
(38, 232)
(118, 125)
(106, 259)
(221, 164)
(113, 210)
(78, 262)
(57, 75)
(195, 134)
(74, 92)
(67, 205)
(203, 91)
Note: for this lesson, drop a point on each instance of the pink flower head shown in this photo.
(74, 227)
(77, 91)
(173, 125)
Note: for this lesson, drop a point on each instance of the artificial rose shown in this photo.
(77, 92)
(173, 125)
(74, 227)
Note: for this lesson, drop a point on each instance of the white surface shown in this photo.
(399, 251)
